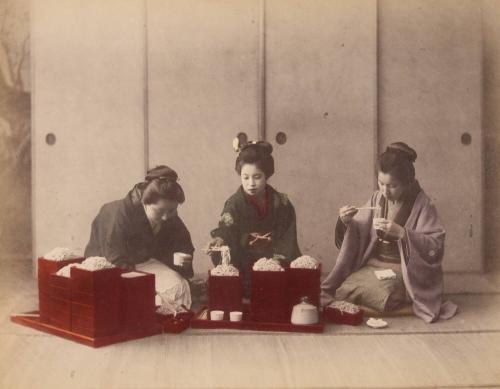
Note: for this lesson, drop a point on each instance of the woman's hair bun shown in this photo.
(161, 183)
(258, 153)
(403, 148)
(163, 172)
(260, 146)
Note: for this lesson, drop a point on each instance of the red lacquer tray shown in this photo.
(202, 320)
(32, 320)
(163, 324)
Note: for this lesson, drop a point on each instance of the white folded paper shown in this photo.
(386, 274)
(132, 274)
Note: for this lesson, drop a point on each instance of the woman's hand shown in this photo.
(215, 242)
(279, 257)
(389, 227)
(346, 213)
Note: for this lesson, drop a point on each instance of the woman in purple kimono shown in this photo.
(397, 230)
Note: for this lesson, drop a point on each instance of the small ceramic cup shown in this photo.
(180, 259)
(216, 315)
(235, 316)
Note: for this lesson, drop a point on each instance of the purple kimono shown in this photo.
(421, 252)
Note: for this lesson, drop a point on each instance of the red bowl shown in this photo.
(175, 325)
(336, 316)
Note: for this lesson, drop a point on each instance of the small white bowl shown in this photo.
(235, 316)
(376, 323)
(216, 315)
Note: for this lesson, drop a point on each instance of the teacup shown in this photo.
(235, 316)
(216, 315)
(181, 258)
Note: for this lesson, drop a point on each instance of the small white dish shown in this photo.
(216, 315)
(235, 316)
(376, 323)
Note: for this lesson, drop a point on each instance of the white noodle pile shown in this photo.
(225, 268)
(345, 307)
(62, 254)
(95, 263)
(226, 255)
(66, 270)
(267, 264)
(90, 264)
(305, 262)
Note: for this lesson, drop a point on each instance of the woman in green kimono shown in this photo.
(257, 221)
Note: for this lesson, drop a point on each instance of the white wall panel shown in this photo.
(88, 91)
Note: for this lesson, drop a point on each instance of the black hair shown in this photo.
(397, 160)
(161, 171)
(258, 153)
(161, 183)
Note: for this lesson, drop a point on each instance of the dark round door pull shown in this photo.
(50, 139)
(281, 138)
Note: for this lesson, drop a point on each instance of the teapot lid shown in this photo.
(304, 302)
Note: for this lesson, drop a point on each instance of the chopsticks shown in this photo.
(363, 208)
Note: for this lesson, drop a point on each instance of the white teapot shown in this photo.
(304, 313)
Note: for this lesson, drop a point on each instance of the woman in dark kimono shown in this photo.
(397, 229)
(257, 221)
(143, 231)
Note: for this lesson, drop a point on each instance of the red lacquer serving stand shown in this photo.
(273, 296)
(98, 308)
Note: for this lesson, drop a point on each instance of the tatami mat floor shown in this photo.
(460, 353)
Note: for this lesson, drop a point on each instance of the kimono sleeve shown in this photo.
(228, 230)
(286, 243)
(427, 239)
(340, 230)
(422, 248)
(114, 245)
(179, 240)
